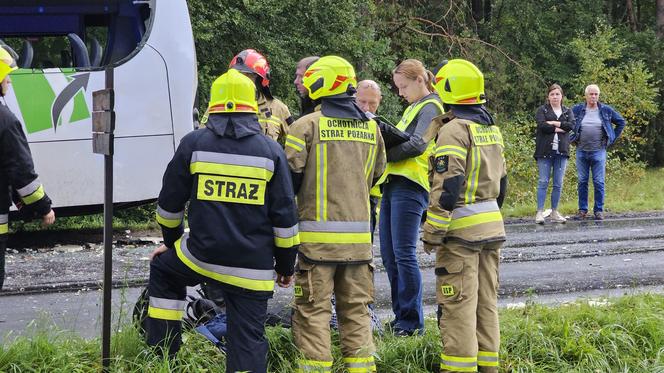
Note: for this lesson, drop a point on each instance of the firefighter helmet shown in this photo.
(7, 63)
(329, 76)
(250, 61)
(459, 82)
(233, 92)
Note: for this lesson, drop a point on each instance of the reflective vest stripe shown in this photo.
(252, 279)
(4, 223)
(437, 220)
(416, 168)
(286, 237)
(321, 182)
(336, 226)
(481, 218)
(233, 159)
(487, 359)
(360, 365)
(314, 366)
(230, 170)
(166, 309)
(451, 150)
(169, 219)
(458, 363)
(30, 188)
(473, 175)
(295, 143)
(475, 208)
(338, 238)
(371, 159)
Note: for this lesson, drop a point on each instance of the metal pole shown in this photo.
(108, 246)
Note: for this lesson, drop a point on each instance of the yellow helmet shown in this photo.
(459, 82)
(7, 63)
(233, 92)
(329, 76)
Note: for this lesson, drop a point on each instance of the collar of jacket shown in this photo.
(342, 106)
(474, 113)
(234, 125)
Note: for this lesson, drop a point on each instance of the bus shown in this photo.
(62, 48)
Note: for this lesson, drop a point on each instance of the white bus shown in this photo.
(62, 48)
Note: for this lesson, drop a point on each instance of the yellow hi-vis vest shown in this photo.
(415, 169)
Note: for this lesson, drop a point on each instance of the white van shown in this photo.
(62, 48)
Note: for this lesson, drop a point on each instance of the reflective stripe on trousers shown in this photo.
(342, 232)
(166, 309)
(314, 366)
(458, 363)
(360, 364)
(487, 359)
(4, 223)
(247, 278)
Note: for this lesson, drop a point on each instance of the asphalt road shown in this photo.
(548, 262)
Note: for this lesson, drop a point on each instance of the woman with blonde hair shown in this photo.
(554, 121)
(405, 186)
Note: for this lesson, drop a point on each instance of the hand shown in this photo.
(284, 281)
(161, 249)
(554, 123)
(429, 247)
(558, 130)
(48, 219)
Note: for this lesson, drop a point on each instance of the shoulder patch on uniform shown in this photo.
(442, 162)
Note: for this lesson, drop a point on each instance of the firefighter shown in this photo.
(464, 225)
(273, 114)
(242, 217)
(17, 171)
(335, 156)
(307, 105)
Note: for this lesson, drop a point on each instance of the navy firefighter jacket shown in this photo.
(242, 213)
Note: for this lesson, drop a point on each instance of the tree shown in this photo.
(660, 19)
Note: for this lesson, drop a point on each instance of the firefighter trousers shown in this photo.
(467, 291)
(352, 286)
(246, 313)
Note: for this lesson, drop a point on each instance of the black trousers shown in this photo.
(3, 249)
(246, 313)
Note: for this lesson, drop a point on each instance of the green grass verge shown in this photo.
(619, 335)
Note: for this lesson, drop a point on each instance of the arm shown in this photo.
(618, 121)
(567, 124)
(283, 215)
(448, 180)
(297, 151)
(21, 173)
(175, 191)
(542, 124)
(415, 145)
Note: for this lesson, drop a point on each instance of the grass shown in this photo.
(616, 335)
(636, 192)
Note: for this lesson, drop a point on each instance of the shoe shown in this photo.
(581, 215)
(556, 217)
(398, 332)
(539, 217)
(599, 215)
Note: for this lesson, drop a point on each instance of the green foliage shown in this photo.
(606, 335)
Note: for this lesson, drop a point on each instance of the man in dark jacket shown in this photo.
(242, 217)
(597, 127)
(17, 172)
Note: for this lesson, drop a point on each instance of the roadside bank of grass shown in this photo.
(615, 335)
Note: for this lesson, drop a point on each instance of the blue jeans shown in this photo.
(587, 161)
(557, 164)
(401, 211)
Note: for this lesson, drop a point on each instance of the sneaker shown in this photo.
(599, 215)
(539, 217)
(581, 215)
(556, 217)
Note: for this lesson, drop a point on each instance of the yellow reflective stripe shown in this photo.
(360, 364)
(487, 359)
(371, 157)
(35, 196)
(164, 314)
(314, 366)
(451, 150)
(469, 221)
(295, 143)
(243, 282)
(458, 363)
(169, 219)
(4, 228)
(230, 170)
(321, 182)
(336, 237)
(287, 242)
(437, 220)
(473, 176)
(168, 223)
